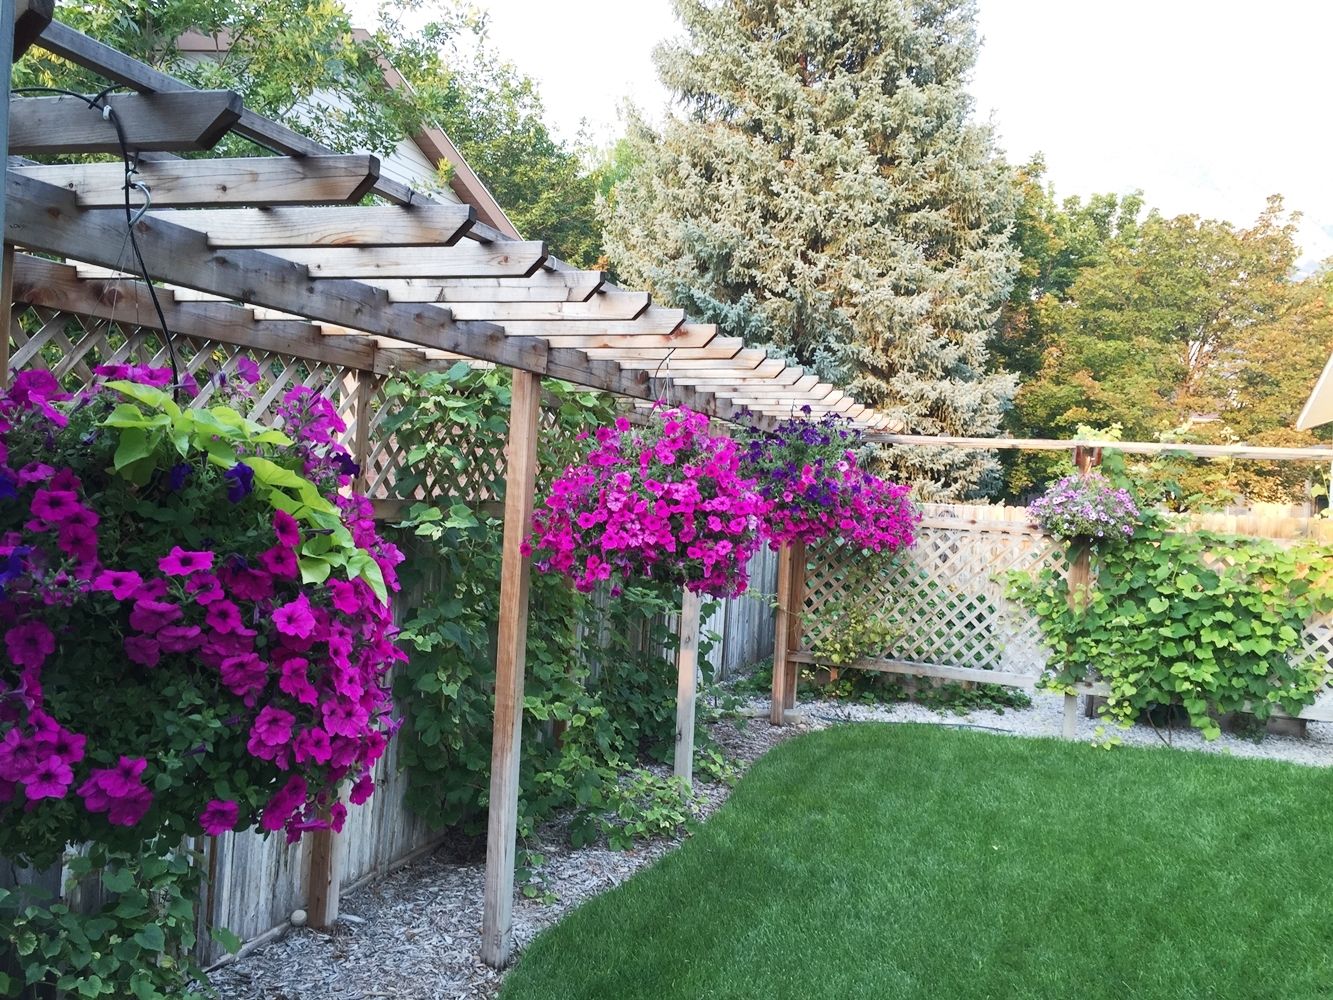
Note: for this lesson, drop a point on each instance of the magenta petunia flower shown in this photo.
(362, 790)
(313, 744)
(120, 584)
(180, 562)
(285, 802)
(346, 597)
(295, 682)
(219, 816)
(151, 616)
(78, 541)
(273, 726)
(142, 650)
(179, 638)
(30, 644)
(280, 562)
(53, 506)
(246, 370)
(286, 529)
(49, 780)
(223, 616)
(244, 674)
(294, 618)
(35, 472)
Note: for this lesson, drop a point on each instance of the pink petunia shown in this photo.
(285, 802)
(49, 780)
(362, 790)
(293, 681)
(294, 618)
(53, 506)
(346, 597)
(280, 562)
(286, 529)
(181, 562)
(142, 650)
(30, 644)
(179, 638)
(223, 616)
(78, 542)
(120, 584)
(219, 816)
(244, 674)
(152, 616)
(313, 744)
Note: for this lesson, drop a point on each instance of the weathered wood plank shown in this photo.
(541, 286)
(497, 931)
(623, 338)
(652, 320)
(687, 685)
(470, 260)
(596, 310)
(197, 120)
(782, 653)
(254, 180)
(341, 226)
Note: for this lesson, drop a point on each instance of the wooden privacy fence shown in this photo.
(944, 598)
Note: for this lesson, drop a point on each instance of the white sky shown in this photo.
(1208, 106)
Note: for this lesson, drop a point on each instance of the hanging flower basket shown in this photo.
(661, 502)
(1086, 509)
(194, 617)
(808, 472)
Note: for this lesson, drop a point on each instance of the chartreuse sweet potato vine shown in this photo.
(1207, 622)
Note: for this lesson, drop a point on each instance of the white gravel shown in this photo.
(1046, 718)
(415, 934)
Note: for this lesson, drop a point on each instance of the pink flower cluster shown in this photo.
(860, 508)
(300, 669)
(662, 502)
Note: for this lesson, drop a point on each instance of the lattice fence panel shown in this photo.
(944, 596)
(70, 346)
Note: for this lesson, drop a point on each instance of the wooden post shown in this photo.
(325, 880)
(6, 312)
(778, 706)
(1070, 729)
(795, 618)
(687, 667)
(497, 922)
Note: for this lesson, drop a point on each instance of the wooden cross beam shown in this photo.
(600, 307)
(197, 120)
(542, 286)
(341, 226)
(622, 341)
(253, 180)
(469, 260)
(654, 320)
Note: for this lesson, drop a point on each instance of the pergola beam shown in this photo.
(30, 19)
(598, 308)
(468, 260)
(342, 226)
(253, 180)
(542, 286)
(47, 125)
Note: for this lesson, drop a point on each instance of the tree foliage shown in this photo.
(826, 192)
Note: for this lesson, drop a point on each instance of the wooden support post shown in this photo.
(687, 667)
(795, 616)
(1070, 729)
(781, 636)
(497, 923)
(325, 880)
(6, 311)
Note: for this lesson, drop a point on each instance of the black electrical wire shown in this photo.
(98, 103)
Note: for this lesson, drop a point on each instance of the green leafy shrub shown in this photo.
(1207, 622)
(855, 633)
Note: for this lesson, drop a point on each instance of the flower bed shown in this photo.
(195, 616)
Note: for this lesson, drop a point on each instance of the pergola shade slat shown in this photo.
(158, 122)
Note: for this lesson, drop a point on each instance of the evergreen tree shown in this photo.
(827, 192)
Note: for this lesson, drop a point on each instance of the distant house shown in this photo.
(417, 160)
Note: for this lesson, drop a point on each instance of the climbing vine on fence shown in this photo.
(1203, 621)
(600, 677)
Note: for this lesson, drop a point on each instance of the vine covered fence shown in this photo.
(944, 598)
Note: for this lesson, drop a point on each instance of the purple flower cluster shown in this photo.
(1086, 508)
(90, 594)
(808, 472)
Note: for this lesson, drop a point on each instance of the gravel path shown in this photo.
(415, 934)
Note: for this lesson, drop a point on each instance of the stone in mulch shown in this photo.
(415, 935)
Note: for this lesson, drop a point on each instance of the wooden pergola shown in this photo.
(272, 253)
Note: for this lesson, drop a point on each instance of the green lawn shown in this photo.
(920, 862)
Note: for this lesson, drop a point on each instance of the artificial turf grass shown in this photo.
(898, 861)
